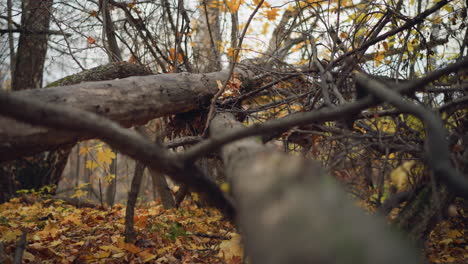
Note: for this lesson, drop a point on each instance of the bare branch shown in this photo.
(438, 153)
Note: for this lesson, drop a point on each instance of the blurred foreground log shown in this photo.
(291, 212)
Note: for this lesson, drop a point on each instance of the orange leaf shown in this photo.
(129, 247)
(272, 14)
(378, 58)
(91, 40)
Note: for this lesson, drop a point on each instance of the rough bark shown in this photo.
(109, 71)
(288, 204)
(130, 102)
(32, 48)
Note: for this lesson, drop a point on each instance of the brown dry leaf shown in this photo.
(146, 255)
(231, 248)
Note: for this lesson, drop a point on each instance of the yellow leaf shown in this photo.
(109, 177)
(29, 257)
(256, 2)
(272, 14)
(84, 150)
(297, 47)
(220, 84)
(50, 230)
(446, 241)
(81, 186)
(55, 243)
(225, 187)
(265, 28)
(71, 219)
(102, 254)
(195, 197)
(346, 3)
(231, 52)
(10, 235)
(400, 175)
(448, 8)
(233, 5)
(90, 164)
(105, 156)
(454, 233)
(111, 248)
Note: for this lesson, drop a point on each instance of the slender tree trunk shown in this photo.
(111, 189)
(162, 188)
(114, 54)
(108, 33)
(208, 35)
(11, 42)
(132, 199)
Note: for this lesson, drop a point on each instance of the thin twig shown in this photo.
(438, 152)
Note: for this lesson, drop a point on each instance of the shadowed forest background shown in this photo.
(233, 131)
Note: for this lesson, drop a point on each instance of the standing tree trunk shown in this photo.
(111, 189)
(160, 184)
(207, 38)
(114, 54)
(32, 47)
(108, 33)
(45, 168)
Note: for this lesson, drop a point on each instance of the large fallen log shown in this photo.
(130, 102)
(291, 212)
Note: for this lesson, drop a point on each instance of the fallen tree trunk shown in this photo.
(46, 168)
(129, 102)
(292, 212)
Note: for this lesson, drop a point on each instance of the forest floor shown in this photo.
(58, 232)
